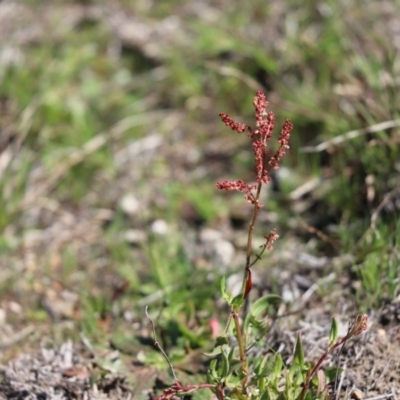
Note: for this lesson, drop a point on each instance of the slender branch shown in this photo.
(157, 344)
(358, 326)
(250, 238)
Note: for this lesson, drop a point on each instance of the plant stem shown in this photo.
(246, 276)
(250, 239)
(317, 367)
(239, 336)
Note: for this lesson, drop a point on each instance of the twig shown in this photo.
(305, 188)
(237, 74)
(382, 396)
(157, 344)
(350, 135)
(381, 205)
(338, 387)
(318, 233)
(17, 337)
(86, 342)
(313, 288)
(24, 127)
(157, 295)
(394, 394)
(380, 375)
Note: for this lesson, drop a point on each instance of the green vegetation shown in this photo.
(111, 146)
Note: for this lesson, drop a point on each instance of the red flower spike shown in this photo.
(263, 159)
(359, 325)
(284, 145)
(238, 185)
(260, 135)
(260, 105)
(235, 126)
(271, 238)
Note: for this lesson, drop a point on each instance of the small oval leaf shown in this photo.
(334, 332)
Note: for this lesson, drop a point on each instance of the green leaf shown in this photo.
(260, 364)
(215, 352)
(237, 301)
(299, 353)
(331, 373)
(231, 353)
(233, 381)
(220, 342)
(334, 332)
(261, 325)
(260, 306)
(225, 295)
(212, 371)
(194, 339)
(278, 365)
(266, 395)
(225, 365)
(234, 365)
(258, 312)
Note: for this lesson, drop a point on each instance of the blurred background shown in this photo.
(111, 146)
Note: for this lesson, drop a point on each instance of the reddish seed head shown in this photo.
(359, 325)
(260, 104)
(235, 126)
(238, 185)
(260, 136)
(270, 239)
